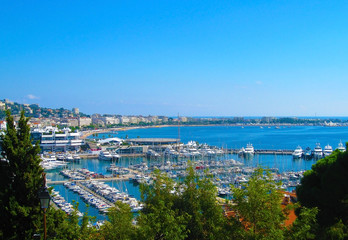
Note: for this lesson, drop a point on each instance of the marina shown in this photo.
(224, 162)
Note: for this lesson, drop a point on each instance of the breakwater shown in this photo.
(265, 151)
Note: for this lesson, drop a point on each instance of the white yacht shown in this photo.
(76, 157)
(152, 154)
(105, 155)
(249, 150)
(318, 151)
(327, 150)
(51, 162)
(308, 153)
(298, 152)
(69, 157)
(340, 147)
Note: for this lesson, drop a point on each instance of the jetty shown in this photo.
(265, 151)
(104, 179)
(94, 194)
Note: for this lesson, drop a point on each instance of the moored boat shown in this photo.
(249, 150)
(105, 156)
(308, 153)
(318, 151)
(340, 147)
(327, 150)
(298, 152)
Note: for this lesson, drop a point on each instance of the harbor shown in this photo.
(226, 164)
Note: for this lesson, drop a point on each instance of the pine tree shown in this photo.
(20, 181)
(258, 207)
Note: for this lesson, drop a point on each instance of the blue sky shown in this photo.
(196, 58)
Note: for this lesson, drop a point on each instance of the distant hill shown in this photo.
(34, 110)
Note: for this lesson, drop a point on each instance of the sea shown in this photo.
(232, 137)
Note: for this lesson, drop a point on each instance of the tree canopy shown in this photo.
(20, 181)
(325, 186)
(258, 206)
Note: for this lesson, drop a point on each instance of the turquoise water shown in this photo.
(238, 137)
(221, 136)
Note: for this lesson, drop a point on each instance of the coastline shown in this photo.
(87, 133)
(103, 130)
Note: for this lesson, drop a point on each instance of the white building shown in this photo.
(85, 121)
(134, 120)
(110, 120)
(52, 139)
(124, 120)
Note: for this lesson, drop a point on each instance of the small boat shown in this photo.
(298, 152)
(327, 150)
(318, 151)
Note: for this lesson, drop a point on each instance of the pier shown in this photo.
(94, 194)
(105, 179)
(265, 151)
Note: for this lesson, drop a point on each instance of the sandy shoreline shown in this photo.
(85, 134)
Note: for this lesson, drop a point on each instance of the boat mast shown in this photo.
(178, 129)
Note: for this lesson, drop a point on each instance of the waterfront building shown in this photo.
(130, 150)
(108, 120)
(183, 119)
(134, 120)
(153, 119)
(52, 139)
(164, 119)
(84, 121)
(71, 122)
(124, 120)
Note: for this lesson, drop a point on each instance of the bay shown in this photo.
(237, 137)
(221, 136)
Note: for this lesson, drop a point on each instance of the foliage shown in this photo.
(68, 226)
(258, 207)
(305, 225)
(119, 225)
(198, 200)
(325, 186)
(337, 231)
(185, 210)
(159, 219)
(20, 182)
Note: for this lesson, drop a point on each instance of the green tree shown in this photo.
(325, 186)
(119, 225)
(159, 219)
(20, 181)
(186, 210)
(258, 207)
(337, 231)
(198, 200)
(68, 226)
(305, 225)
